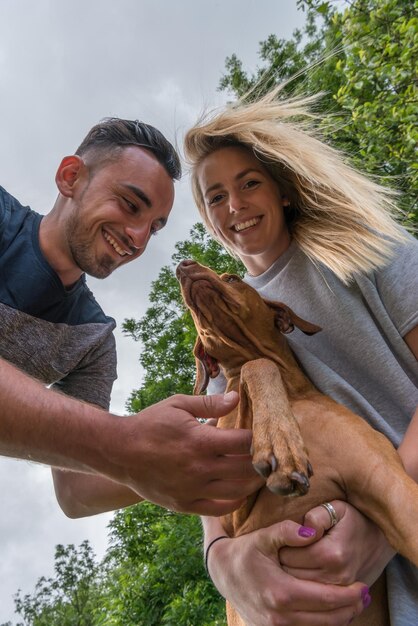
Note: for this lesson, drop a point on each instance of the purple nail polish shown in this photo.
(365, 591)
(366, 600)
(305, 531)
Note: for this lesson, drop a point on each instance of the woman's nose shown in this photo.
(236, 203)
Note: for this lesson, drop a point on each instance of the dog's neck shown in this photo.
(278, 350)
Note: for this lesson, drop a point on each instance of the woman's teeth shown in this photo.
(247, 224)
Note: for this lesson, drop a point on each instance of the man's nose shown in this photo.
(138, 235)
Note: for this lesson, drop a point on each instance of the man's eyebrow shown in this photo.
(237, 177)
(141, 195)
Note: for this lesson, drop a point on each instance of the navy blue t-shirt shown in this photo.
(60, 336)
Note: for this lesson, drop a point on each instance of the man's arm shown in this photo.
(163, 453)
(81, 495)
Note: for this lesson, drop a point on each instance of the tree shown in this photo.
(156, 572)
(71, 597)
(364, 58)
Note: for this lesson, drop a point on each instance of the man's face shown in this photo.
(115, 213)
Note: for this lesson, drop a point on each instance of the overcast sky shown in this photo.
(63, 67)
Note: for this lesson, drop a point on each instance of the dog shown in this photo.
(295, 427)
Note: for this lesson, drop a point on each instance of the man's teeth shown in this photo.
(247, 224)
(113, 243)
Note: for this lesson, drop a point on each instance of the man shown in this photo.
(114, 193)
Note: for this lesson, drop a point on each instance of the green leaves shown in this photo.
(71, 597)
(152, 574)
(364, 55)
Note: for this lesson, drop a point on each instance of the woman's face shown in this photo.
(244, 205)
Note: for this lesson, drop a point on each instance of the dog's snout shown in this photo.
(183, 265)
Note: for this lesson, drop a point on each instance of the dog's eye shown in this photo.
(231, 278)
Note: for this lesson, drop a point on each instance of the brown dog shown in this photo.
(243, 333)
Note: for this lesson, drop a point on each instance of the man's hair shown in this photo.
(107, 138)
(338, 216)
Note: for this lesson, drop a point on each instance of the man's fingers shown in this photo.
(212, 508)
(237, 467)
(231, 489)
(208, 406)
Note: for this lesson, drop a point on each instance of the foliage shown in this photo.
(152, 575)
(71, 597)
(364, 58)
(166, 331)
(156, 571)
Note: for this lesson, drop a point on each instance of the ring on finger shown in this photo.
(331, 512)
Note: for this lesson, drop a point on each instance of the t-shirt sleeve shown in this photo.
(93, 379)
(397, 284)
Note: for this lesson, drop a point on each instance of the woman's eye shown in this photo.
(252, 183)
(216, 199)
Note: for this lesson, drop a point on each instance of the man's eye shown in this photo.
(252, 183)
(132, 207)
(157, 226)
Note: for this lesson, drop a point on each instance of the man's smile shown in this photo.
(115, 245)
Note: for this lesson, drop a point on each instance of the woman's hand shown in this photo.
(246, 570)
(354, 549)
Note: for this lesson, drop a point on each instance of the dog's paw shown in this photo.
(285, 466)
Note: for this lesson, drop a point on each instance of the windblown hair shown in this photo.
(338, 216)
(106, 139)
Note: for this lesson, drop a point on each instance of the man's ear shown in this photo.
(68, 172)
(206, 367)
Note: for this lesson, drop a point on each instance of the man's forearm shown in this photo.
(163, 453)
(80, 495)
(42, 425)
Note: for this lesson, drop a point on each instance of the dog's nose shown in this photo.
(183, 265)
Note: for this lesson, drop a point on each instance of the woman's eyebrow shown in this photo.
(237, 177)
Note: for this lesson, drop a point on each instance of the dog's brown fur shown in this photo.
(290, 418)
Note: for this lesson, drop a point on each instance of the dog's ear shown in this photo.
(206, 367)
(286, 319)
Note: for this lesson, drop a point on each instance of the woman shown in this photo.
(321, 237)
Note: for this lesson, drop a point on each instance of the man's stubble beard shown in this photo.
(81, 246)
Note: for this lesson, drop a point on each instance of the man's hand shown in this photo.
(168, 457)
(354, 549)
(246, 570)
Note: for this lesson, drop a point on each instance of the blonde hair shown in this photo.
(338, 216)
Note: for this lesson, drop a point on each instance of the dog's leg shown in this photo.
(279, 453)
